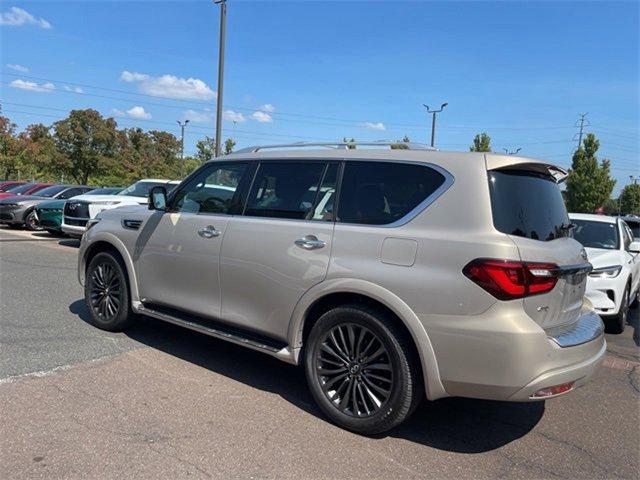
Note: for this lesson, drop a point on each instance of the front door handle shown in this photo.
(208, 232)
(310, 242)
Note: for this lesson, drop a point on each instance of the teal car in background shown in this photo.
(49, 214)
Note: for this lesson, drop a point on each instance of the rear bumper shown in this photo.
(504, 355)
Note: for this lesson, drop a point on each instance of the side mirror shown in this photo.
(158, 198)
(634, 246)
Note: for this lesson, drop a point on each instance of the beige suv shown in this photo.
(389, 274)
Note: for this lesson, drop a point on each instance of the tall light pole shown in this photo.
(433, 120)
(182, 125)
(223, 24)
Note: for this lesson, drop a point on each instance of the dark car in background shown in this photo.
(17, 211)
(24, 189)
(49, 214)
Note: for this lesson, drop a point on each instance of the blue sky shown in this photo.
(521, 71)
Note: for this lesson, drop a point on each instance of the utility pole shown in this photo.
(433, 120)
(182, 125)
(512, 152)
(223, 24)
(582, 125)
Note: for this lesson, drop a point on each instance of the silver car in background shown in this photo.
(388, 274)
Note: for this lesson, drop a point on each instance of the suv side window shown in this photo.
(215, 189)
(285, 190)
(379, 193)
(71, 192)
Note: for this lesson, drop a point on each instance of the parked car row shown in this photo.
(66, 208)
(389, 275)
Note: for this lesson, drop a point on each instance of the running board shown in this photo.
(219, 330)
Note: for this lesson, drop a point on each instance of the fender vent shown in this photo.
(131, 224)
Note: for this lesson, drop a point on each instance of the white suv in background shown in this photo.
(612, 286)
(80, 209)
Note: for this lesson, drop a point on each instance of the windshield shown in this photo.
(141, 189)
(596, 234)
(104, 191)
(51, 191)
(527, 204)
(20, 188)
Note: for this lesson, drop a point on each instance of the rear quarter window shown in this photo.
(380, 193)
(527, 204)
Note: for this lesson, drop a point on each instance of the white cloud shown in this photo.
(374, 126)
(33, 86)
(198, 116)
(267, 107)
(17, 68)
(126, 76)
(232, 116)
(261, 117)
(17, 17)
(170, 86)
(73, 89)
(137, 113)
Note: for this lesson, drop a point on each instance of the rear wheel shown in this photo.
(107, 293)
(617, 323)
(362, 370)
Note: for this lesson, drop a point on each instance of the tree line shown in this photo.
(589, 184)
(89, 149)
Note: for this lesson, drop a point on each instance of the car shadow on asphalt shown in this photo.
(451, 424)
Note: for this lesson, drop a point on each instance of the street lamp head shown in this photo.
(186, 121)
(426, 106)
(443, 105)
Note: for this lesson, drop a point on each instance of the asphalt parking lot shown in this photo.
(162, 402)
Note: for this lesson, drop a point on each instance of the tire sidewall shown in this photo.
(123, 316)
(33, 228)
(401, 374)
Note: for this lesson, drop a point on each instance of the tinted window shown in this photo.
(141, 189)
(105, 191)
(50, 191)
(285, 190)
(527, 205)
(379, 193)
(72, 192)
(635, 227)
(596, 234)
(212, 190)
(21, 188)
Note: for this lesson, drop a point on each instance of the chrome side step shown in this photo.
(214, 329)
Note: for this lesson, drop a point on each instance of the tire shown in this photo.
(617, 323)
(31, 222)
(636, 300)
(106, 293)
(338, 340)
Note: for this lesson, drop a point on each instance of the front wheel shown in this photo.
(617, 323)
(362, 369)
(106, 293)
(31, 222)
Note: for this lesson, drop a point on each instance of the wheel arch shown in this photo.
(342, 291)
(105, 242)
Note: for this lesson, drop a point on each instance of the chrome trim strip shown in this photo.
(588, 327)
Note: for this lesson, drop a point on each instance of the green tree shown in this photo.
(229, 145)
(401, 144)
(589, 184)
(206, 149)
(630, 200)
(38, 156)
(481, 143)
(86, 139)
(8, 148)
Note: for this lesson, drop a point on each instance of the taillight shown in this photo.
(507, 279)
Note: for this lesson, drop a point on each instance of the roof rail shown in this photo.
(338, 145)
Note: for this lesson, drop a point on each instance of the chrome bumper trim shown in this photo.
(588, 327)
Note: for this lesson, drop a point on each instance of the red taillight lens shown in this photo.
(507, 280)
(553, 391)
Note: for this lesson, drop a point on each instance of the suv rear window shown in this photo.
(379, 193)
(527, 204)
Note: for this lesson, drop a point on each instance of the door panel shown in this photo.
(178, 264)
(178, 252)
(264, 273)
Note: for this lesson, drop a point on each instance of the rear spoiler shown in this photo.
(509, 162)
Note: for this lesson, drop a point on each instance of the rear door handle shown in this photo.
(310, 242)
(208, 232)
